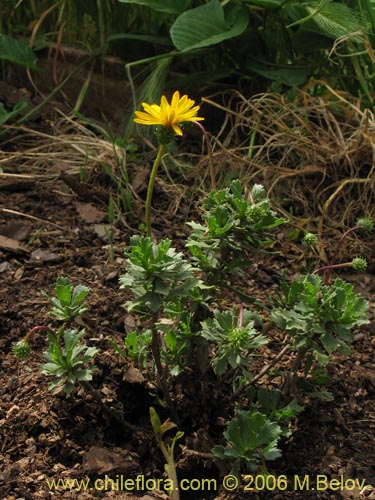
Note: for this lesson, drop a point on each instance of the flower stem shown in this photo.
(36, 329)
(150, 188)
(327, 270)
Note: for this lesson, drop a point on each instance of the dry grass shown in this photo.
(72, 146)
(314, 155)
(69, 146)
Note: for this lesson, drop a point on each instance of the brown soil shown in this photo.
(47, 230)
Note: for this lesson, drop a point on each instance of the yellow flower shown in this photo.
(169, 115)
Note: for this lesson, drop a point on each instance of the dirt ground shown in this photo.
(47, 230)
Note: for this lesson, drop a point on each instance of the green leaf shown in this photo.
(329, 342)
(131, 343)
(248, 432)
(63, 290)
(170, 340)
(290, 76)
(154, 39)
(84, 375)
(80, 292)
(17, 51)
(155, 421)
(6, 116)
(321, 358)
(267, 4)
(206, 25)
(169, 6)
(334, 20)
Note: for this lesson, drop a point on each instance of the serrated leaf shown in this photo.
(329, 342)
(63, 290)
(321, 358)
(85, 375)
(80, 292)
(250, 431)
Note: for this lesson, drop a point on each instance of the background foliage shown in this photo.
(263, 44)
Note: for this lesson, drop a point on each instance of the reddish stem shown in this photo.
(210, 157)
(335, 253)
(240, 317)
(250, 196)
(36, 329)
(331, 266)
(339, 243)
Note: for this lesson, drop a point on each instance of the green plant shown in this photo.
(21, 349)
(156, 274)
(235, 338)
(167, 449)
(252, 436)
(270, 402)
(235, 221)
(252, 439)
(136, 346)
(6, 116)
(17, 52)
(291, 42)
(69, 300)
(318, 317)
(66, 360)
(182, 320)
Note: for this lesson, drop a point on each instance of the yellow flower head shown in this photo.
(169, 115)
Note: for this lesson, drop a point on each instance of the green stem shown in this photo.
(150, 188)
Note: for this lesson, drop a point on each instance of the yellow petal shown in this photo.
(177, 129)
(175, 99)
(152, 109)
(146, 118)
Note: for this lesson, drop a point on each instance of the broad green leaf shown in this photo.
(17, 51)
(267, 4)
(154, 39)
(250, 431)
(291, 76)
(306, 42)
(313, 11)
(168, 6)
(269, 398)
(170, 340)
(334, 20)
(206, 25)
